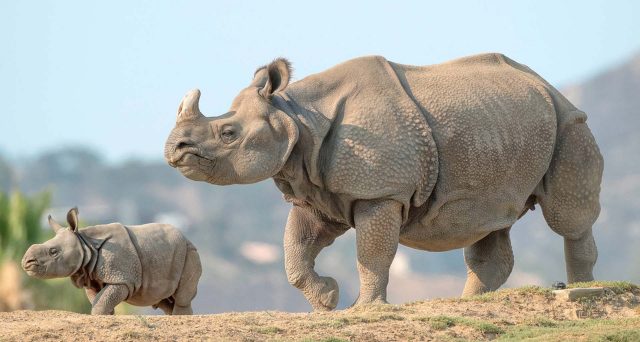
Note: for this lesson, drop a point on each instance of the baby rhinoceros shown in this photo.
(146, 265)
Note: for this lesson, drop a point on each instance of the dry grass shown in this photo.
(510, 315)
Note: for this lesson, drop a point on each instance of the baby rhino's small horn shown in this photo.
(189, 109)
(53, 224)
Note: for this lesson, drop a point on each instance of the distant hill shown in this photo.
(238, 229)
(612, 102)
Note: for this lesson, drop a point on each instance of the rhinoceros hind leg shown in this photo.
(182, 309)
(165, 305)
(569, 197)
(188, 285)
(580, 257)
(489, 263)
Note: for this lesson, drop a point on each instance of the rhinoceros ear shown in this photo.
(260, 77)
(72, 219)
(53, 224)
(278, 75)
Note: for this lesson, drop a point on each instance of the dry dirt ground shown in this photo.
(514, 314)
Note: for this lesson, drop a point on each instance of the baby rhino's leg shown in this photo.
(107, 299)
(188, 285)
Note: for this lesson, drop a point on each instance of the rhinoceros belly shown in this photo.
(461, 219)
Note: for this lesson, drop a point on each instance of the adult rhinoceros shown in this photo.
(434, 157)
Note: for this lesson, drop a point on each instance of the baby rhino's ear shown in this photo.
(72, 219)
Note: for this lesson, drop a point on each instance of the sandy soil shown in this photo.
(509, 314)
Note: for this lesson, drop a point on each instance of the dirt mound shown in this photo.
(511, 314)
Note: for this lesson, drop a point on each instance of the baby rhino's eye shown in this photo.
(53, 251)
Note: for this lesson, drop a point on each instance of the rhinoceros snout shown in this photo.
(29, 261)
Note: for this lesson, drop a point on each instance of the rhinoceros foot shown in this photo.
(325, 298)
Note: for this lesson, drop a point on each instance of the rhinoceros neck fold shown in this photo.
(313, 127)
(84, 275)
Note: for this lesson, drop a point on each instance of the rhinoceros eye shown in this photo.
(228, 135)
(53, 251)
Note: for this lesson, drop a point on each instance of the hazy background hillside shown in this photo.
(238, 229)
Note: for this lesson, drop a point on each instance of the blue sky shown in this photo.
(109, 75)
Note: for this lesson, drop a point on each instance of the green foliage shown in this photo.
(20, 227)
(57, 294)
(20, 223)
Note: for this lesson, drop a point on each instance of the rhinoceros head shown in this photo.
(248, 144)
(61, 256)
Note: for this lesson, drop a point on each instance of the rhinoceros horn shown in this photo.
(53, 224)
(189, 109)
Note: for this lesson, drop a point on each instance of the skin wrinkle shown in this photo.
(451, 154)
(84, 279)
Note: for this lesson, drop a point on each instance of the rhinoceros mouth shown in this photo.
(32, 268)
(194, 166)
(193, 158)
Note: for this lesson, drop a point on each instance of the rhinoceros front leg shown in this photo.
(377, 235)
(306, 234)
(91, 294)
(106, 300)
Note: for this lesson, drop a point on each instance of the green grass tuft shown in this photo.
(618, 287)
(503, 293)
(625, 329)
(392, 317)
(623, 336)
(442, 322)
(541, 322)
(269, 330)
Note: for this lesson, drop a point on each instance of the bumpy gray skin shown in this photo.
(435, 157)
(146, 265)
